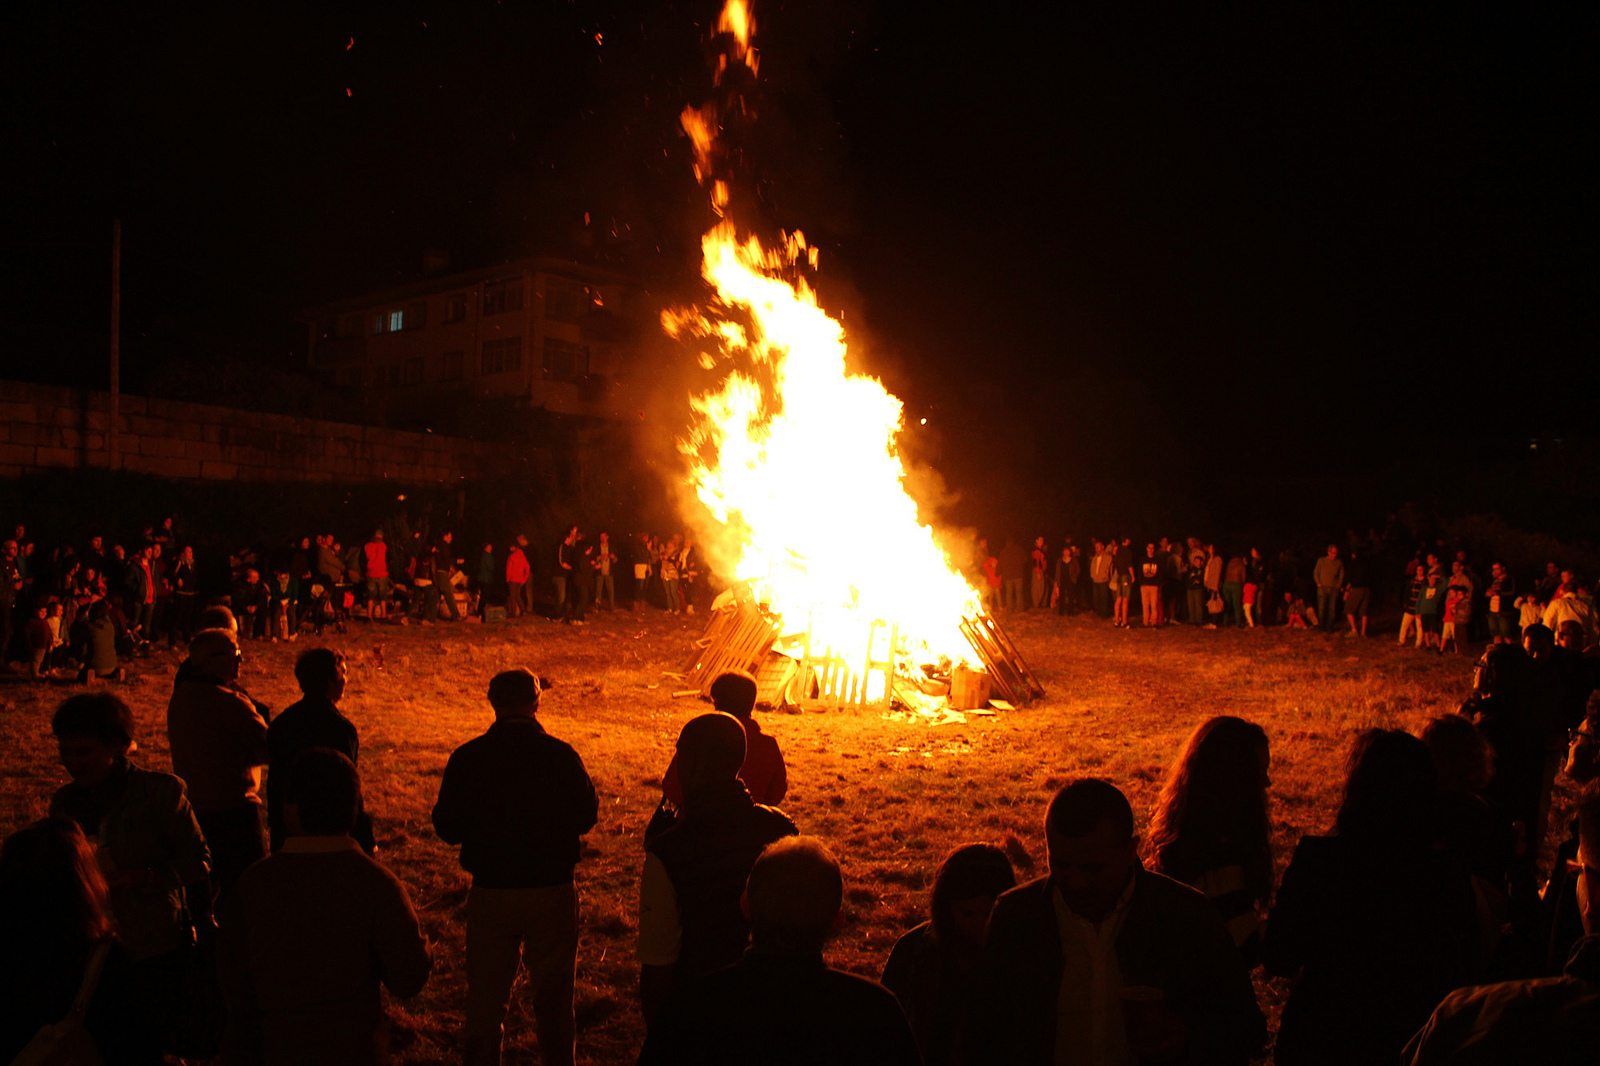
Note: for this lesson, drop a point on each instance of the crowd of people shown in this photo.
(238, 905)
(89, 609)
(1442, 599)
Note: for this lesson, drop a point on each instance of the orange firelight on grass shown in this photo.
(794, 459)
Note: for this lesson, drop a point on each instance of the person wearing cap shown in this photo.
(517, 801)
(781, 1001)
(763, 772)
(690, 921)
(219, 748)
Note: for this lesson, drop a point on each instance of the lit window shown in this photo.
(397, 321)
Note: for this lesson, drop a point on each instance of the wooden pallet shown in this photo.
(1013, 679)
(737, 639)
(847, 680)
(740, 638)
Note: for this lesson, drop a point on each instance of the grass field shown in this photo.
(890, 795)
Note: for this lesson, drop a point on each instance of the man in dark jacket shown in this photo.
(1104, 961)
(313, 722)
(781, 1003)
(517, 800)
(690, 921)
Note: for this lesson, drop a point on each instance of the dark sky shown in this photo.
(1177, 249)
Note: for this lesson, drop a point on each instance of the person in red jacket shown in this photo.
(375, 560)
(519, 593)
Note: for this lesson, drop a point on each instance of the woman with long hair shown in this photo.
(1210, 828)
(1373, 923)
(56, 936)
(931, 968)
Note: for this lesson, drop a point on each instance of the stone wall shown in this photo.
(44, 427)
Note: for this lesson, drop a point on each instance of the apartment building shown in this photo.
(542, 332)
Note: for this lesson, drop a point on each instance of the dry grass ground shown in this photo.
(890, 796)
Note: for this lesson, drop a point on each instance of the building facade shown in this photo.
(542, 333)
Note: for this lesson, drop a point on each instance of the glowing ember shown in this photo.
(793, 458)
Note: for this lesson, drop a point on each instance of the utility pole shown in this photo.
(113, 445)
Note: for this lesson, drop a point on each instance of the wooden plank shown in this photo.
(1013, 656)
(1003, 680)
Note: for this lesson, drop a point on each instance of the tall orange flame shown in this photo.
(795, 460)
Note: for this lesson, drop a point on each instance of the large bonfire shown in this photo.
(794, 460)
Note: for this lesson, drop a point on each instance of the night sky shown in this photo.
(1177, 252)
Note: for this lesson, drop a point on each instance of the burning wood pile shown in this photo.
(793, 670)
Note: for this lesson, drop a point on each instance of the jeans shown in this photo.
(539, 927)
(237, 838)
(1197, 606)
(605, 590)
(1327, 602)
(1233, 601)
(1013, 594)
(670, 586)
(1102, 599)
(516, 598)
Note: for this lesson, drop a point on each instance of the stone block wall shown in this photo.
(45, 427)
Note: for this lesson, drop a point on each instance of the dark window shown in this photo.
(502, 355)
(350, 326)
(411, 370)
(416, 314)
(565, 301)
(451, 365)
(380, 320)
(502, 296)
(565, 361)
(455, 307)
